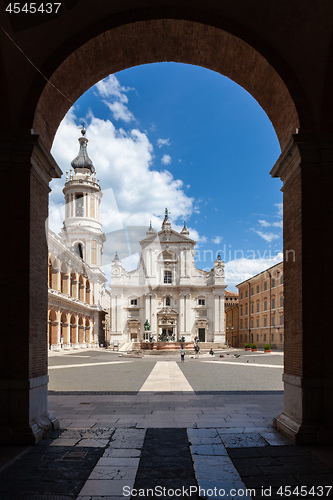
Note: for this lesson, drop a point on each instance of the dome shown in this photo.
(82, 160)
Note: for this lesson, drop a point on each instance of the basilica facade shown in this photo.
(167, 298)
(77, 298)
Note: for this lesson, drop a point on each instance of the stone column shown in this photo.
(216, 316)
(306, 169)
(147, 308)
(26, 170)
(113, 314)
(188, 313)
(181, 314)
(153, 315)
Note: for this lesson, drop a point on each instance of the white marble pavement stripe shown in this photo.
(87, 364)
(115, 472)
(213, 467)
(166, 376)
(236, 363)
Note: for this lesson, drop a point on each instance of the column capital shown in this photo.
(303, 151)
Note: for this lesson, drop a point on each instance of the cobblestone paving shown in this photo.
(217, 439)
(57, 467)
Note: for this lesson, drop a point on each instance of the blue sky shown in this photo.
(189, 139)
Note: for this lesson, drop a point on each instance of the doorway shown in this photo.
(202, 334)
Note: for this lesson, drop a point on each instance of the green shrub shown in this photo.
(253, 346)
(247, 346)
(267, 347)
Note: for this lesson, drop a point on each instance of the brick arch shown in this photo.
(259, 70)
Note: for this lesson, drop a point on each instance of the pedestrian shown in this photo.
(211, 352)
(182, 355)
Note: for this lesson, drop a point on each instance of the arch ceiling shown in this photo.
(168, 40)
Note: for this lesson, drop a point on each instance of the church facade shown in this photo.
(77, 298)
(167, 298)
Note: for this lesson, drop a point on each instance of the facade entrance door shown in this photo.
(167, 332)
(202, 334)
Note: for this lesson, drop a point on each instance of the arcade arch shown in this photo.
(241, 48)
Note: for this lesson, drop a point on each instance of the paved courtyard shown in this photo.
(153, 427)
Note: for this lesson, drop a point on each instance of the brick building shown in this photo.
(231, 319)
(261, 318)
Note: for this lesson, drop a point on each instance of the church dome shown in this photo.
(82, 160)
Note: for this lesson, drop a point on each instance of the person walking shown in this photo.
(182, 355)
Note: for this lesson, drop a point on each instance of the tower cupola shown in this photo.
(82, 225)
(82, 160)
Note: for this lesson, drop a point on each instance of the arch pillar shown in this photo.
(27, 168)
(306, 169)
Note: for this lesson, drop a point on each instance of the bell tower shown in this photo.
(82, 228)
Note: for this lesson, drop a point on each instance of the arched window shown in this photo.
(167, 301)
(167, 277)
(79, 205)
(78, 249)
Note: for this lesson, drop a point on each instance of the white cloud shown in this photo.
(119, 111)
(115, 98)
(269, 237)
(163, 142)
(279, 207)
(133, 193)
(110, 87)
(264, 223)
(217, 240)
(239, 270)
(166, 160)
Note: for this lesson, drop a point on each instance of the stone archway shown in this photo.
(236, 40)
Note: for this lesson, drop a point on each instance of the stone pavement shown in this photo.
(166, 441)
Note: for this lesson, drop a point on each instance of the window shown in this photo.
(245, 323)
(272, 337)
(251, 291)
(79, 250)
(281, 279)
(265, 337)
(241, 337)
(241, 295)
(257, 338)
(201, 302)
(245, 293)
(79, 205)
(281, 301)
(134, 302)
(265, 305)
(167, 301)
(281, 320)
(241, 311)
(245, 310)
(167, 277)
(252, 308)
(273, 303)
(257, 307)
(241, 324)
(273, 321)
(257, 288)
(265, 285)
(257, 323)
(251, 323)
(281, 337)
(273, 282)
(265, 321)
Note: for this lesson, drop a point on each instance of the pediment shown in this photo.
(172, 236)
